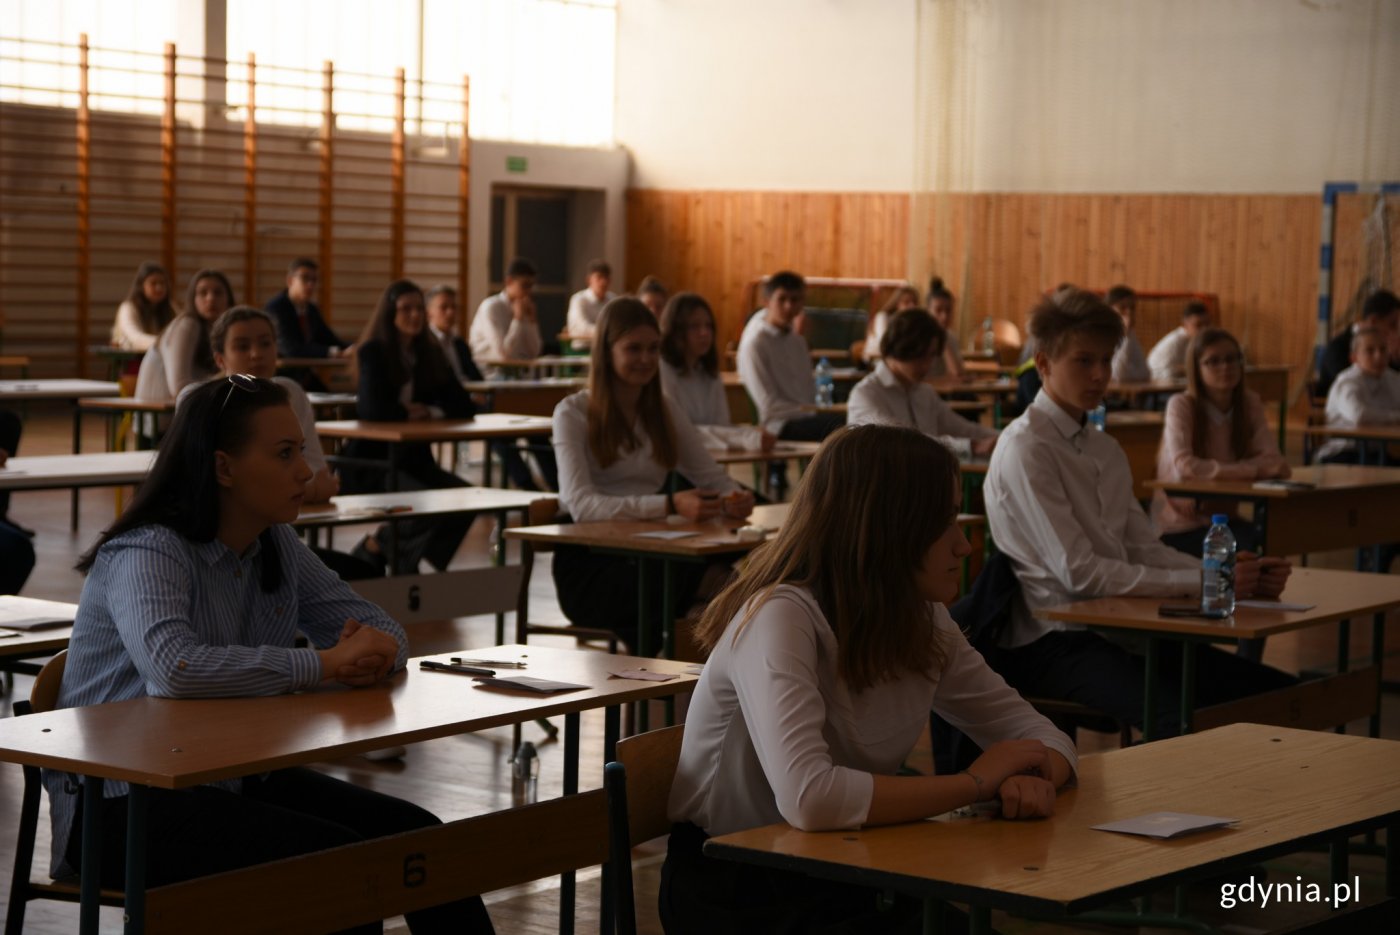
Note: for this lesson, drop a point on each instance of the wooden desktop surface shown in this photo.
(365, 507)
(1383, 433)
(716, 537)
(1335, 595)
(130, 404)
(781, 451)
(105, 469)
(176, 744)
(55, 389)
(1282, 785)
(24, 643)
(1324, 477)
(484, 426)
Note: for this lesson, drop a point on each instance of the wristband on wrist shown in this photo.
(981, 794)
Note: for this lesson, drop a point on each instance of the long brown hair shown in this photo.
(675, 320)
(430, 368)
(153, 317)
(1240, 430)
(203, 355)
(609, 435)
(872, 502)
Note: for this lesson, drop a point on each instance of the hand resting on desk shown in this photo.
(1263, 577)
(362, 657)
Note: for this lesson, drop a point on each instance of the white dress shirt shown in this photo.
(127, 332)
(1129, 363)
(773, 733)
(627, 488)
(584, 309)
(1168, 358)
(169, 365)
(1060, 504)
(496, 334)
(775, 366)
(881, 399)
(1357, 399)
(701, 397)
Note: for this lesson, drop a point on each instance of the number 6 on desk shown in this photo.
(415, 870)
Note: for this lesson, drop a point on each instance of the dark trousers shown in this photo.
(813, 428)
(518, 472)
(204, 830)
(435, 539)
(601, 591)
(1080, 666)
(10, 428)
(702, 895)
(16, 558)
(1192, 541)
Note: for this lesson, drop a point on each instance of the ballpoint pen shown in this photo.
(496, 663)
(452, 667)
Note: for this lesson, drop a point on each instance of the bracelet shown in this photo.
(977, 779)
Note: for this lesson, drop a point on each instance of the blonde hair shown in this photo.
(875, 498)
(609, 435)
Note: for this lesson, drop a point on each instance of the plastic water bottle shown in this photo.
(1098, 417)
(1218, 569)
(826, 383)
(525, 774)
(989, 335)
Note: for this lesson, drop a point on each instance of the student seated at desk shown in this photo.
(906, 296)
(1129, 362)
(896, 394)
(199, 591)
(403, 376)
(1215, 430)
(690, 375)
(587, 304)
(506, 325)
(244, 340)
(1366, 393)
(653, 295)
(940, 306)
(1168, 358)
(827, 654)
(617, 442)
(181, 354)
(1061, 507)
(145, 311)
(1380, 312)
(775, 365)
(301, 329)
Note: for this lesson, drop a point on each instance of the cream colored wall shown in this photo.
(1052, 95)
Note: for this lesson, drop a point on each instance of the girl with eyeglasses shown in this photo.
(1216, 429)
(198, 591)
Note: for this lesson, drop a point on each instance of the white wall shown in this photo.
(1046, 95)
(767, 94)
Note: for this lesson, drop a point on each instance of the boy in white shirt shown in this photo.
(1061, 507)
(587, 304)
(1366, 393)
(775, 365)
(1168, 358)
(506, 326)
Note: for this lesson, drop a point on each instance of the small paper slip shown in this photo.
(1165, 824)
(667, 534)
(1283, 485)
(9, 634)
(1279, 606)
(27, 613)
(642, 675)
(528, 684)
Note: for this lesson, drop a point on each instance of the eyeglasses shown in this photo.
(1229, 360)
(239, 381)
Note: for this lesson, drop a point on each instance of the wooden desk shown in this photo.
(1351, 506)
(554, 365)
(29, 643)
(32, 390)
(18, 361)
(802, 452)
(527, 397)
(963, 407)
(330, 363)
(50, 472)
(1335, 596)
(999, 391)
(1369, 438)
(485, 427)
(178, 744)
(115, 406)
(1287, 788)
(116, 357)
(1139, 434)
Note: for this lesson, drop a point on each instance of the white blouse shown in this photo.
(881, 399)
(627, 488)
(127, 332)
(168, 366)
(773, 734)
(701, 397)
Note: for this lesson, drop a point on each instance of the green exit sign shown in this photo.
(517, 164)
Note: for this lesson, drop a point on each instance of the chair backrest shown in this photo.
(44, 695)
(650, 760)
(445, 595)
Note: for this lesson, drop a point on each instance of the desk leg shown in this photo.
(1188, 684)
(391, 483)
(486, 470)
(1149, 691)
(90, 884)
(1392, 861)
(566, 880)
(1338, 859)
(979, 920)
(136, 860)
(1378, 660)
(643, 639)
(498, 558)
(607, 913)
(1343, 657)
(668, 627)
(77, 447)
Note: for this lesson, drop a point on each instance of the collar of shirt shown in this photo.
(1065, 423)
(769, 328)
(215, 551)
(886, 377)
(443, 337)
(1216, 415)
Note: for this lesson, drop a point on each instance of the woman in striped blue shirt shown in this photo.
(199, 590)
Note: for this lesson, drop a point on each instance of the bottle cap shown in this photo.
(1222, 519)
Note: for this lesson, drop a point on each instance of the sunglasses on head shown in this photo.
(239, 381)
